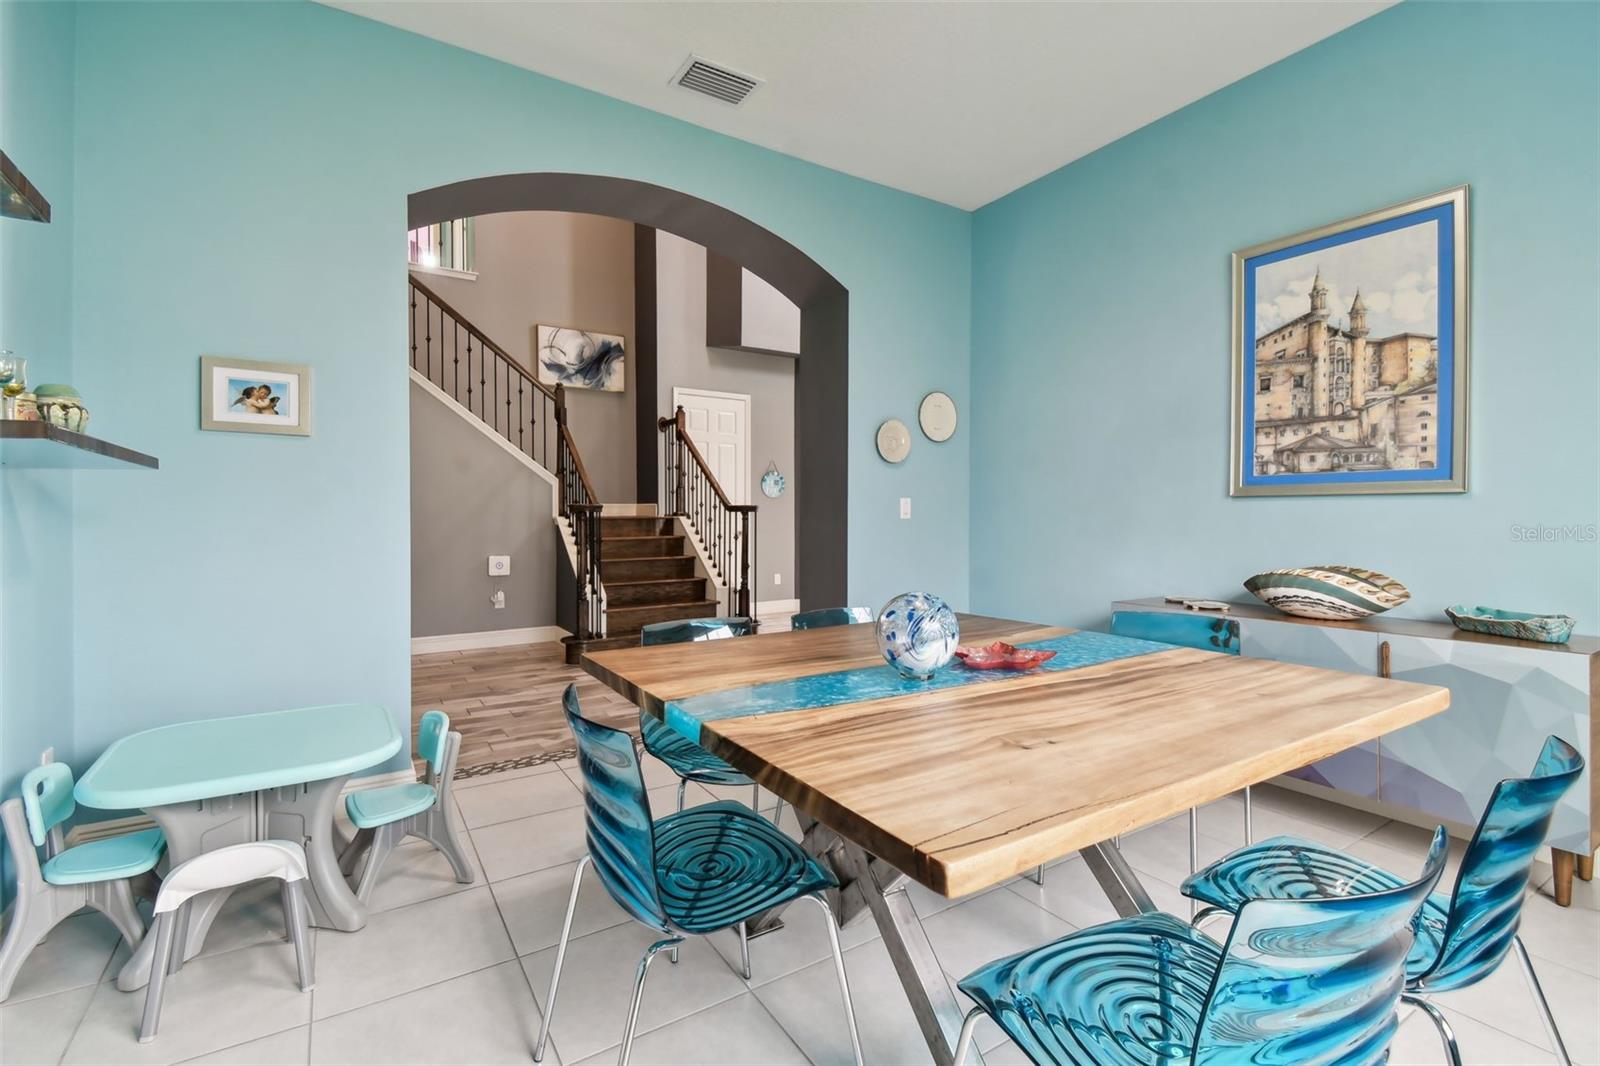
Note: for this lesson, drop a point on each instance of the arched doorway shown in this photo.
(822, 371)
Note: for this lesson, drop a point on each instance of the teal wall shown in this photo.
(1101, 318)
(36, 535)
(242, 180)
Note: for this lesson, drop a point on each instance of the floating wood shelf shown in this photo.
(41, 446)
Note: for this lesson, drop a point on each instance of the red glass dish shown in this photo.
(1003, 656)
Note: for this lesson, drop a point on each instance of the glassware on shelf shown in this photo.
(13, 382)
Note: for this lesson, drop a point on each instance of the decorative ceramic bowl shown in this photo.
(917, 633)
(1003, 656)
(1545, 628)
(60, 405)
(1339, 593)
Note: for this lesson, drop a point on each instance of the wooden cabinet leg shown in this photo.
(1565, 863)
(1586, 867)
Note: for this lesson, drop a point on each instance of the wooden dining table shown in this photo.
(966, 780)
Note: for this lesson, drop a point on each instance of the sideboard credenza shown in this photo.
(1506, 696)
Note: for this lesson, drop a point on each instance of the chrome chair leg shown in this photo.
(1550, 1029)
(1249, 819)
(838, 966)
(964, 1043)
(1446, 1034)
(1194, 854)
(777, 813)
(638, 994)
(683, 783)
(755, 798)
(561, 955)
(744, 949)
(1037, 875)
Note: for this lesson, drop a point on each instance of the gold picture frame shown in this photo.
(251, 396)
(1345, 415)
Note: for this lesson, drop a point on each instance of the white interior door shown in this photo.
(719, 425)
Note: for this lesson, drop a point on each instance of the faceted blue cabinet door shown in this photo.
(1208, 632)
(1297, 983)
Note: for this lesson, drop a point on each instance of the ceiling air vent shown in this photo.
(718, 82)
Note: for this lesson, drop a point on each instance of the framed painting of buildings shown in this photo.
(1350, 356)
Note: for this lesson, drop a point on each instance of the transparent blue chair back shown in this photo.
(824, 617)
(616, 815)
(691, 629)
(47, 799)
(1487, 903)
(1314, 981)
(1208, 632)
(431, 732)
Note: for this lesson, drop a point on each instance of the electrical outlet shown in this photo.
(499, 566)
(905, 507)
(777, 579)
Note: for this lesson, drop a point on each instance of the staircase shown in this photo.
(626, 570)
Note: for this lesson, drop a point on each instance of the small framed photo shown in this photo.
(246, 396)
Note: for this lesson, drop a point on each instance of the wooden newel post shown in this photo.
(746, 512)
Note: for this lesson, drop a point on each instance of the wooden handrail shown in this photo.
(483, 339)
(577, 463)
(699, 460)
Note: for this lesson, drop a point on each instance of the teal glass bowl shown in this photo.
(1544, 628)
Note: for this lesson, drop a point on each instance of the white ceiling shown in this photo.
(960, 102)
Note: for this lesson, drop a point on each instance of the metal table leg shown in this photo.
(1117, 880)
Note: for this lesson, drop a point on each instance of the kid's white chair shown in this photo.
(227, 867)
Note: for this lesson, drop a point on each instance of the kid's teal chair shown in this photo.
(383, 817)
(827, 617)
(97, 874)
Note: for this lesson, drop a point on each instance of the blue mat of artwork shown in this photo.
(1073, 651)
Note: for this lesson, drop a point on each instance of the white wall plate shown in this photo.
(894, 441)
(937, 416)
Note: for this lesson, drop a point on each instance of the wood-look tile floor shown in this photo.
(506, 702)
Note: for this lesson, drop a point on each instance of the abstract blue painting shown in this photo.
(580, 359)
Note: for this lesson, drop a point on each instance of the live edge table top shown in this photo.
(963, 787)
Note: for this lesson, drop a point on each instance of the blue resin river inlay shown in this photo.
(1073, 651)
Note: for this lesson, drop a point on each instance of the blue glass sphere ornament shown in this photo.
(917, 634)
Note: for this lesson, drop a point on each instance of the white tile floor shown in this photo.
(448, 973)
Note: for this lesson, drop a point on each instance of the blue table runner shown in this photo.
(1073, 651)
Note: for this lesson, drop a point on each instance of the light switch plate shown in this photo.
(499, 565)
(905, 507)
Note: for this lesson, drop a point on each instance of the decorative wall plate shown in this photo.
(1332, 592)
(772, 482)
(937, 416)
(894, 441)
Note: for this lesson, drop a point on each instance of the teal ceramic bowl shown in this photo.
(1544, 628)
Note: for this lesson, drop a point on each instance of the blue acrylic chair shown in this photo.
(824, 617)
(97, 874)
(1463, 935)
(383, 817)
(691, 873)
(1311, 982)
(683, 756)
(1208, 632)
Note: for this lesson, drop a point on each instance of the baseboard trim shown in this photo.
(489, 638)
(112, 827)
(771, 607)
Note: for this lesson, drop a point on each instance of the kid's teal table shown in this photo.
(222, 781)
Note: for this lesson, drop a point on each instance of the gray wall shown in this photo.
(469, 500)
(683, 360)
(560, 269)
